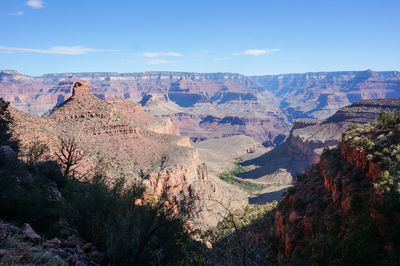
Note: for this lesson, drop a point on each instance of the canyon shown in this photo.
(298, 114)
(305, 143)
(185, 138)
(212, 105)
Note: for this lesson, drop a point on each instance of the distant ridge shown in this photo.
(212, 105)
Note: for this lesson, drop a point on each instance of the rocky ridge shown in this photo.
(210, 105)
(218, 91)
(309, 137)
(320, 94)
(348, 196)
(120, 138)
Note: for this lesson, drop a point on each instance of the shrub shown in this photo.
(299, 204)
(366, 143)
(25, 198)
(117, 218)
(353, 126)
(129, 233)
(36, 152)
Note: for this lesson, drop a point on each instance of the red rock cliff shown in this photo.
(326, 190)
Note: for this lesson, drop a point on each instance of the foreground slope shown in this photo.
(346, 209)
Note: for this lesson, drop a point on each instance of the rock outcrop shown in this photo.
(119, 138)
(23, 246)
(309, 137)
(348, 196)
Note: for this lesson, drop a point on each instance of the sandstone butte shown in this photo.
(119, 139)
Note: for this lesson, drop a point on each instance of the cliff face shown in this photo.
(348, 196)
(308, 137)
(262, 107)
(119, 138)
(321, 94)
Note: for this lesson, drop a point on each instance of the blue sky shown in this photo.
(249, 37)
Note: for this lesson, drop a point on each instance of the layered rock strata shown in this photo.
(345, 193)
(308, 137)
(119, 138)
(209, 105)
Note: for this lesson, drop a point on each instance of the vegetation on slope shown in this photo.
(380, 140)
(128, 225)
(368, 233)
(358, 224)
(240, 238)
(229, 176)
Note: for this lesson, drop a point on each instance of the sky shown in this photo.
(252, 37)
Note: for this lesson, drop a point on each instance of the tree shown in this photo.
(69, 155)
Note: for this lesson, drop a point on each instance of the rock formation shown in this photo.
(212, 105)
(22, 246)
(347, 198)
(118, 138)
(309, 137)
(320, 94)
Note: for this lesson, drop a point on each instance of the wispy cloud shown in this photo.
(160, 54)
(257, 52)
(62, 50)
(18, 13)
(35, 3)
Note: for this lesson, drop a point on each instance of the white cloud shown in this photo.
(257, 52)
(157, 62)
(63, 50)
(18, 13)
(158, 54)
(35, 3)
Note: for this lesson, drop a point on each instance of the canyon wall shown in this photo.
(321, 94)
(346, 197)
(210, 105)
(308, 137)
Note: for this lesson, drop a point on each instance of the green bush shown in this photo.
(353, 126)
(229, 177)
(386, 120)
(366, 143)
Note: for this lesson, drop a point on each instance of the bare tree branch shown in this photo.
(69, 155)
